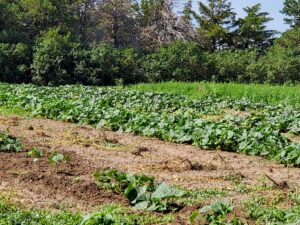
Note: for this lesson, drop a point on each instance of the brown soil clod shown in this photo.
(138, 151)
(30, 127)
(281, 185)
(194, 165)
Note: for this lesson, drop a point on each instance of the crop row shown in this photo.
(252, 128)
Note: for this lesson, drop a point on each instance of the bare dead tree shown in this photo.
(165, 26)
(117, 20)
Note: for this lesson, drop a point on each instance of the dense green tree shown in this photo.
(85, 21)
(182, 61)
(149, 11)
(252, 29)
(53, 62)
(35, 16)
(292, 11)
(281, 63)
(15, 62)
(10, 27)
(289, 39)
(216, 20)
(103, 64)
(230, 65)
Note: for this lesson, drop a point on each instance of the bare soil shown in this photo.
(70, 185)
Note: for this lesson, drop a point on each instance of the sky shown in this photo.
(271, 6)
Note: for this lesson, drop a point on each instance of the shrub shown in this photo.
(131, 62)
(106, 65)
(231, 65)
(105, 61)
(289, 39)
(283, 59)
(278, 66)
(283, 65)
(53, 62)
(178, 61)
(14, 63)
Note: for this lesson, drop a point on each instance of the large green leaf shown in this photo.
(166, 191)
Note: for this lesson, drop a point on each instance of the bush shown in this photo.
(257, 71)
(53, 62)
(14, 63)
(289, 39)
(105, 61)
(132, 66)
(178, 61)
(283, 59)
(283, 65)
(226, 66)
(106, 65)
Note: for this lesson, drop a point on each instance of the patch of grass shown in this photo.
(116, 215)
(217, 213)
(239, 185)
(10, 110)
(281, 208)
(258, 92)
(193, 196)
(11, 214)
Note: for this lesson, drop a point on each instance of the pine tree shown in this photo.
(216, 20)
(252, 30)
(292, 11)
(187, 11)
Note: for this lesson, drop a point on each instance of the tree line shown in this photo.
(104, 42)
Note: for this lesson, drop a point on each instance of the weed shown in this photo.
(216, 213)
(35, 153)
(273, 210)
(56, 157)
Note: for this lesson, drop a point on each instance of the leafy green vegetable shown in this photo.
(9, 143)
(216, 213)
(56, 157)
(140, 190)
(171, 117)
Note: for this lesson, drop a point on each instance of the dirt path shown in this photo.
(70, 185)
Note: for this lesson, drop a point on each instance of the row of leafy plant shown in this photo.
(145, 194)
(201, 122)
(10, 214)
(141, 191)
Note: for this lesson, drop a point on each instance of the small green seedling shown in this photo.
(35, 153)
(56, 157)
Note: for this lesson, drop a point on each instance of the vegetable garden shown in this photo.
(54, 151)
(203, 122)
